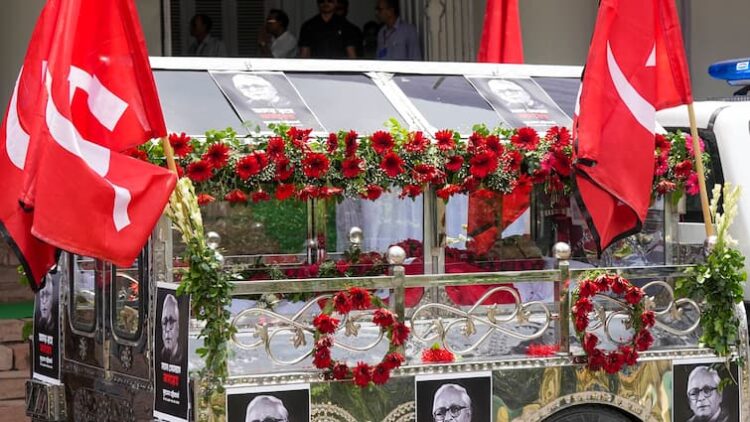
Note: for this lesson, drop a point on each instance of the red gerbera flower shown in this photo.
(417, 142)
(351, 167)
(583, 306)
(483, 164)
(383, 318)
(648, 319)
(476, 143)
(250, 165)
(381, 142)
(275, 148)
(372, 192)
(315, 165)
(447, 191)
(400, 332)
(199, 171)
(259, 196)
(342, 303)
(307, 192)
(586, 288)
(661, 142)
(361, 374)
(633, 295)
(284, 192)
(217, 155)
(613, 362)
(205, 198)
(322, 358)
(454, 163)
(560, 136)
(643, 340)
(299, 136)
(493, 144)
(411, 191)
(350, 143)
(683, 169)
(332, 143)
(393, 360)
(392, 164)
(380, 374)
(236, 197)
(340, 371)
(180, 144)
(284, 169)
(424, 173)
(325, 324)
(629, 354)
(525, 138)
(590, 341)
(444, 140)
(360, 298)
(342, 266)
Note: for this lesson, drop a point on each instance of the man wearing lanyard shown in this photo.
(397, 40)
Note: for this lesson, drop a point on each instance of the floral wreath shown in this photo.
(343, 303)
(640, 320)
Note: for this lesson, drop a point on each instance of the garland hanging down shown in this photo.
(638, 319)
(292, 164)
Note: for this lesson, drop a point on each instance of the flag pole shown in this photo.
(701, 173)
(169, 154)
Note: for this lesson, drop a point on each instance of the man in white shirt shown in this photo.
(203, 44)
(277, 41)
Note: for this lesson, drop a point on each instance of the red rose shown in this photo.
(315, 165)
(372, 192)
(416, 143)
(454, 163)
(383, 318)
(392, 164)
(332, 143)
(581, 323)
(342, 266)
(493, 144)
(350, 143)
(590, 341)
(275, 147)
(424, 173)
(340, 371)
(643, 340)
(352, 167)
(322, 358)
(217, 155)
(360, 298)
(483, 164)
(284, 192)
(393, 360)
(683, 169)
(199, 171)
(648, 319)
(381, 142)
(447, 191)
(613, 362)
(525, 138)
(205, 198)
(180, 144)
(380, 374)
(619, 285)
(586, 288)
(250, 165)
(236, 197)
(259, 196)
(584, 306)
(634, 295)
(400, 332)
(629, 354)
(445, 140)
(361, 374)
(325, 324)
(412, 191)
(341, 303)
(596, 360)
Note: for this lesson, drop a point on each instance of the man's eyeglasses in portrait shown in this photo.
(703, 392)
(454, 411)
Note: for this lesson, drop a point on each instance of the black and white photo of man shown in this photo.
(521, 102)
(464, 399)
(283, 403)
(46, 330)
(700, 395)
(264, 98)
(170, 331)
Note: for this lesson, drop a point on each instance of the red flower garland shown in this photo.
(344, 302)
(640, 318)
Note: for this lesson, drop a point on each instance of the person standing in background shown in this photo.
(326, 35)
(275, 39)
(203, 44)
(397, 40)
(342, 10)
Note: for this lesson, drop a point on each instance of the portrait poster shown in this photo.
(288, 403)
(171, 394)
(46, 350)
(265, 98)
(521, 102)
(463, 397)
(706, 391)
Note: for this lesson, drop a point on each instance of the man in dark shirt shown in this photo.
(342, 9)
(326, 35)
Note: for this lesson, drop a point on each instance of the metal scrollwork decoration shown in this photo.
(478, 314)
(83, 348)
(126, 357)
(675, 309)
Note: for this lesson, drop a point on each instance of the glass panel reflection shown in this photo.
(83, 293)
(127, 300)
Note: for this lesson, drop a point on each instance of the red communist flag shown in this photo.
(636, 65)
(501, 36)
(85, 93)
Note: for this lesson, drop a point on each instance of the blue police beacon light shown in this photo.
(735, 71)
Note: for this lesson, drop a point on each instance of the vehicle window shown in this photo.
(128, 296)
(193, 104)
(714, 176)
(345, 101)
(83, 293)
(448, 102)
(563, 91)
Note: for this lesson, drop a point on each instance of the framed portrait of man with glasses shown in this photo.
(706, 392)
(456, 397)
(282, 403)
